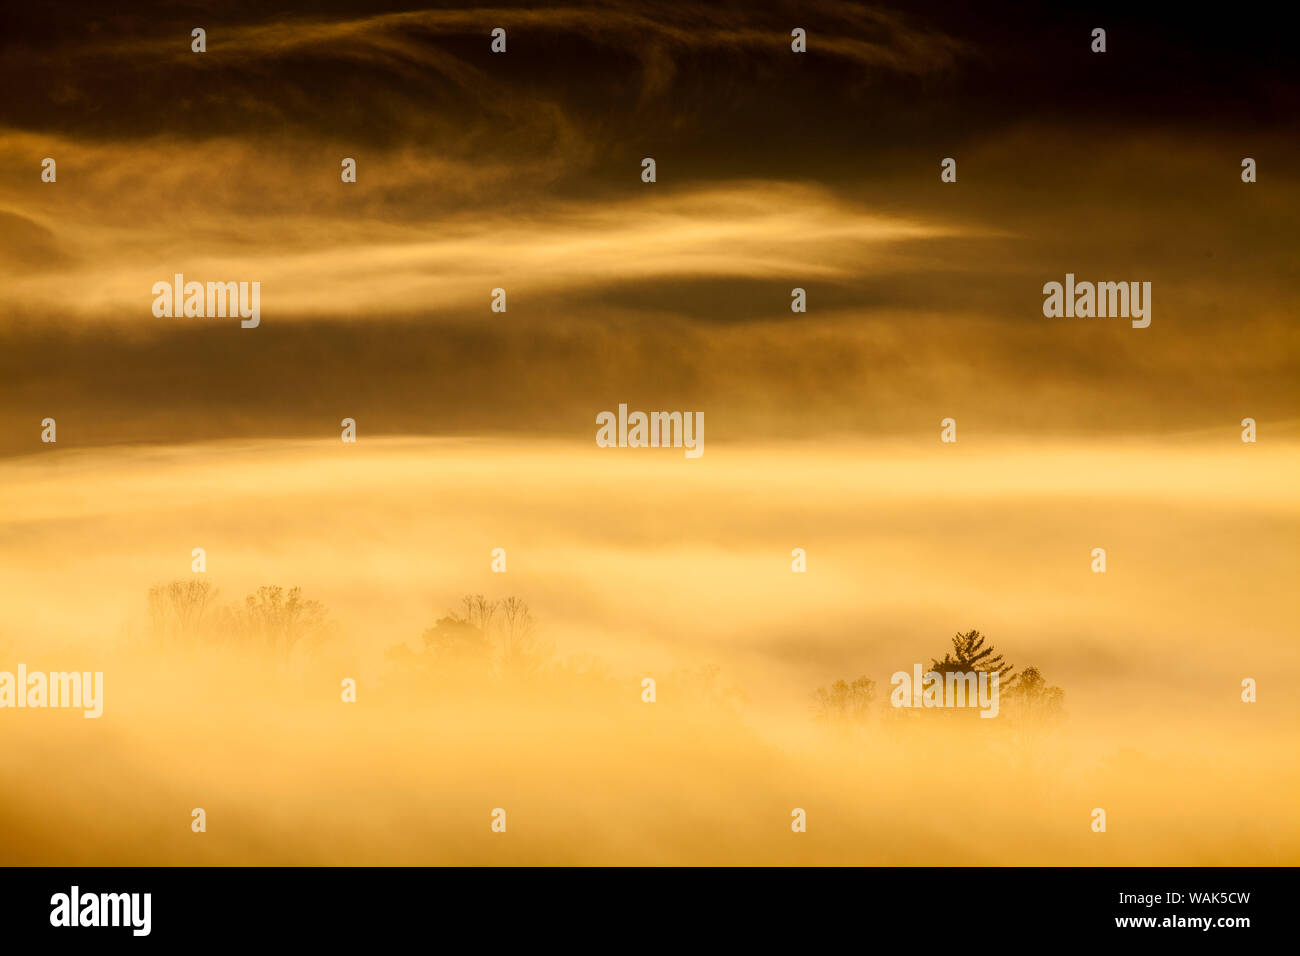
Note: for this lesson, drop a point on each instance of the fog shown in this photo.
(642, 564)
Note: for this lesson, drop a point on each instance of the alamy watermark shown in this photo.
(84, 689)
(950, 689)
(1128, 300)
(76, 908)
(653, 430)
(217, 300)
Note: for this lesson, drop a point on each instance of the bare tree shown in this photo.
(519, 652)
(478, 611)
(843, 705)
(1035, 701)
(178, 608)
(275, 619)
(493, 636)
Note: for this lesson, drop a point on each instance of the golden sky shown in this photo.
(522, 171)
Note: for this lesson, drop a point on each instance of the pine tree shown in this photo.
(969, 654)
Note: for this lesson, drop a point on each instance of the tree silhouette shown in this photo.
(177, 608)
(843, 703)
(279, 620)
(520, 654)
(487, 636)
(454, 639)
(478, 611)
(969, 654)
(1034, 697)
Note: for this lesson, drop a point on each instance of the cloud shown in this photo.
(323, 249)
(522, 172)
